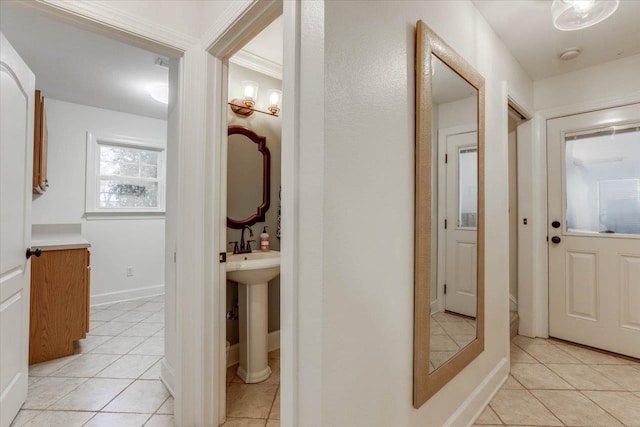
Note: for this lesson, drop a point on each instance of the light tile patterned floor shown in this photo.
(254, 405)
(449, 334)
(112, 380)
(558, 384)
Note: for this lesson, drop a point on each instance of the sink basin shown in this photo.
(253, 268)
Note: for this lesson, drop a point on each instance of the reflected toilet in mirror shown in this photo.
(449, 215)
(454, 117)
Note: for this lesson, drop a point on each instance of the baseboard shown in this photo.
(473, 406)
(434, 306)
(127, 295)
(167, 376)
(273, 343)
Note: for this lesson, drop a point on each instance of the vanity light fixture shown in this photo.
(246, 105)
(275, 99)
(570, 15)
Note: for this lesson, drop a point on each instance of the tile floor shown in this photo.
(449, 334)
(558, 384)
(254, 405)
(112, 380)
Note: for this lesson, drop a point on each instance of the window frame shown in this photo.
(92, 177)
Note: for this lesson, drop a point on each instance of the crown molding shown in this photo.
(257, 63)
(158, 37)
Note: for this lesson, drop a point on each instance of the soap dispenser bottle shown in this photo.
(264, 240)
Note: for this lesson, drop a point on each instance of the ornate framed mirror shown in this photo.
(249, 177)
(449, 215)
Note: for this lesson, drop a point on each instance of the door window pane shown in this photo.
(603, 182)
(468, 188)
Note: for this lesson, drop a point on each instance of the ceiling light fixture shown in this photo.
(160, 93)
(570, 15)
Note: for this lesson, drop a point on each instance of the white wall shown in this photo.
(115, 244)
(368, 197)
(605, 81)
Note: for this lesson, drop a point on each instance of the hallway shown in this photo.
(553, 383)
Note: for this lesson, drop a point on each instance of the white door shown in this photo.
(461, 223)
(594, 229)
(16, 163)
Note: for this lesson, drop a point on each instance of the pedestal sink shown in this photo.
(253, 271)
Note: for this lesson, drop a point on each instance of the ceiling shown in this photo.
(268, 44)
(78, 66)
(526, 28)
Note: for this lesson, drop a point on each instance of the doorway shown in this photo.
(123, 351)
(253, 158)
(594, 228)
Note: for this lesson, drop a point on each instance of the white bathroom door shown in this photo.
(16, 163)
(461, 226)
(594, 229)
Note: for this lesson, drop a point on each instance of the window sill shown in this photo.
(93, 216)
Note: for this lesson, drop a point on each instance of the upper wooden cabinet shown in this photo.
(40, 182)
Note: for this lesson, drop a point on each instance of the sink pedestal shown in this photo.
(254, 320)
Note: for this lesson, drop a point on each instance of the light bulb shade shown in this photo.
(160, 93)
(570, 15)
(275, 100)
(249, 92)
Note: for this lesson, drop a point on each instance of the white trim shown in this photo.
(243, 20)
(139, 31)
(168, 376)
(97, 216)
(128, 295)
(273, 343)
(257, 63)
(513, 303)
(474, 405)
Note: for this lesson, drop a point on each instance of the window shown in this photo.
(124, 176)
(603, 181)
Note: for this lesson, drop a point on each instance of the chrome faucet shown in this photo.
(245, 249)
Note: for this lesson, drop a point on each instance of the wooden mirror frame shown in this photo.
(426, 384)
(261, 210)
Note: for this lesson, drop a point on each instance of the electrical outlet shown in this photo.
(129, 271)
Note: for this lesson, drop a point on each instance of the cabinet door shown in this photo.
(58, 314)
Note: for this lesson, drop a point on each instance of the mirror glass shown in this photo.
(449, 215)
(248, 176)
(454, 259)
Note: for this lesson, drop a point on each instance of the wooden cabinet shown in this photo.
(40, 138)
(59, 303)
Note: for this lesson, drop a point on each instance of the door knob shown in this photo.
(556, 239)
(36, 252)
(555, 224)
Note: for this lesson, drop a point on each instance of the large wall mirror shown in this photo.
(449, 217)
(249, 169)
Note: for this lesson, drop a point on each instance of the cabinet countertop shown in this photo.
(51, 237)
